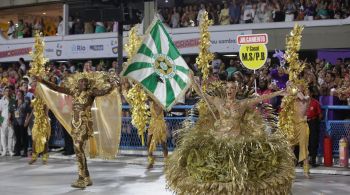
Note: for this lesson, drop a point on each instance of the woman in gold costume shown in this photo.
(233, 154)
(83, 97)
(156, 132)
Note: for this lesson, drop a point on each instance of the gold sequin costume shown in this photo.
(235, 154)
(82, 101)
(157, 127)
(41, 131)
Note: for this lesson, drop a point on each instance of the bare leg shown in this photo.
(165, 149)
(150, 154)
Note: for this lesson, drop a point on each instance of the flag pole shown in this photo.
(202, 94)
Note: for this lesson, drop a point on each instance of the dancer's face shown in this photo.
(231, 90)
(83, 84)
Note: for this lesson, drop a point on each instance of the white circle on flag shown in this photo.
(164, 66)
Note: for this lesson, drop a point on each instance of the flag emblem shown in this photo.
(159, 67)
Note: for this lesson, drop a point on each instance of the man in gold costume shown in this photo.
(157, 127)
(301, 138)
(156, 133)
(82, 99)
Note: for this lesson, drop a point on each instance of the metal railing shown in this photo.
(336, 129)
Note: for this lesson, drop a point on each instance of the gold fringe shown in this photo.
(252, 163)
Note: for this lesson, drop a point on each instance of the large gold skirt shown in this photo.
(204, 163)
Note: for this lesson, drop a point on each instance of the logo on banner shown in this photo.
(114, 44)
(96, 47)
(59, 49)
(253, 51)
(78, 48)
(15, 52)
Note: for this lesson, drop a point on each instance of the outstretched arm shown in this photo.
(101, 92)
(253, 101)
(54, 87)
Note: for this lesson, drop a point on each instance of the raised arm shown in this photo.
(197, 89)
(54, 86)
(253, 101)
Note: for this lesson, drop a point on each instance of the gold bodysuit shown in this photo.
(82, 125)
(157, 127)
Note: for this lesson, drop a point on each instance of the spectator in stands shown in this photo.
(260, 12)
(100, 27)
(200, 14)
(38, 26)
(309, 11)
(87, 66)
(314, 116)
(328, 84)
(60, 26)
(248, 12)
(21, 111)
(234, 12)
(11, 31)
(20, 29)
(27, 31)
(277, 13)
(268, 12)
(88, 27)
(300, 7)
(211, 12)
(224, 17)
(185, 19)
(192, 16)
(289, 9)
(231, 69)
(216, 63)
(217, 11)
(279, 76)
(334, 9)
(7, 133)
(22, 65)
(322, 12)
(175, 19)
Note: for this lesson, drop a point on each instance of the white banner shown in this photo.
(64, 49)
(105, 45)
(221, 42)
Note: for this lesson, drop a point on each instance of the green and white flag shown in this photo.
(159, 67)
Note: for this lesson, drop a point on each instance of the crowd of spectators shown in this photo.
(75, 26)
(321, 76)
(16, 92)
(255, 11)
(226, 12)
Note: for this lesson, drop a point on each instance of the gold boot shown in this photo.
(88, 181)
(150, 162)
(306, 171)
(45, 158)
(79, 183)
(34, 158)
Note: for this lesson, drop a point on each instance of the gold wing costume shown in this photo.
(106, 113)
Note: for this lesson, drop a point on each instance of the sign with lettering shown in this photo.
(253, 51)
